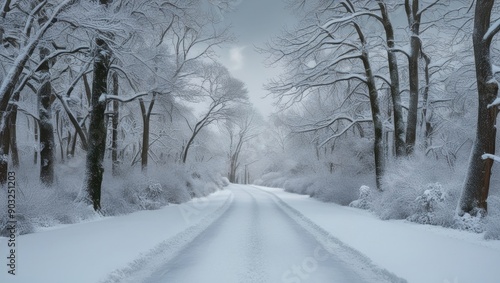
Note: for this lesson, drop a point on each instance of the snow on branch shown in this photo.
(350, 18)
(496, 102)
(404, 51)
(421, 11)
(22, 110)
(494, 29)
(104, 97)
(491, 156)
(354, 122)
(59, 53)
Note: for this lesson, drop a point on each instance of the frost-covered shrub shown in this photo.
(299, 185)
(272, 179)
(470, 223)
(431, 200)
(152, 197)
(404, 186)
(363, 201)
(225, 181)
(23, 226)
(39, 206)
(337, 188)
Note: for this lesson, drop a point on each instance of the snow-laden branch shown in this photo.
(496, 102)
(401, 50)
(22, 110)
(105, 97)
(29, 21)
(384, 78)
(490, 156)
(9, 81)
(58, 53)
(73, 120)
(353, 123)
(494, 29)
(421, 11)
(350, 18)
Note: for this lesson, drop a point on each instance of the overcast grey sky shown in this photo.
(254, 22)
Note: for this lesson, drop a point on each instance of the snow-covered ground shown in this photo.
(415, 252)
(252, 234)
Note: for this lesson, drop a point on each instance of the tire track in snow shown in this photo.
(165, 251)
(363, 265)
(255, 271)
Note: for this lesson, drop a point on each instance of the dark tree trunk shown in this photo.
(114, 126)
(188, 145)
(234, 164)
(378, 144)
(414, 23)
(73, 145)
(68, 145)
(397, 109)
(45, 124)
(97, 127)
(477, 182)
(59, 134)
(146, 119)
(35, 155)
(4, 151)
(12, 123)
(145, 143)
(426, 114)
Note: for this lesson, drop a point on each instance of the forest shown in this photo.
(113, 106)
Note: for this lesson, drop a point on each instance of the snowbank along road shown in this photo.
(254, 237)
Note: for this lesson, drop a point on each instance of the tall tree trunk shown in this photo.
(146, 119)
(59, 134)
(45, 124)
(412, 12)
(35, 131)
(188, 145)
(97, 127)
(73, 145)
(397, 108)
(425, 104)
(4, 151)
(14, 152)
(477, 182)
(114, 125)
(378, 144)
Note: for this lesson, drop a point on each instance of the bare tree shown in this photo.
(222, 92)
(320, 58)
(28, 39)
(414, 11)
(241, 130)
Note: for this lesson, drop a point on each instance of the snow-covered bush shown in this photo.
(431, 200)
(469, 223)
(337, 188)
(151, 197)
(363, 201)
(405, 197)
(225, 181)
(39, 206)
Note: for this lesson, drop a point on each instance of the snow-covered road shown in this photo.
(255, 240)
(251, 234)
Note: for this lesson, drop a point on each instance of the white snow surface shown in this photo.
(252, 234)
(415, 252)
